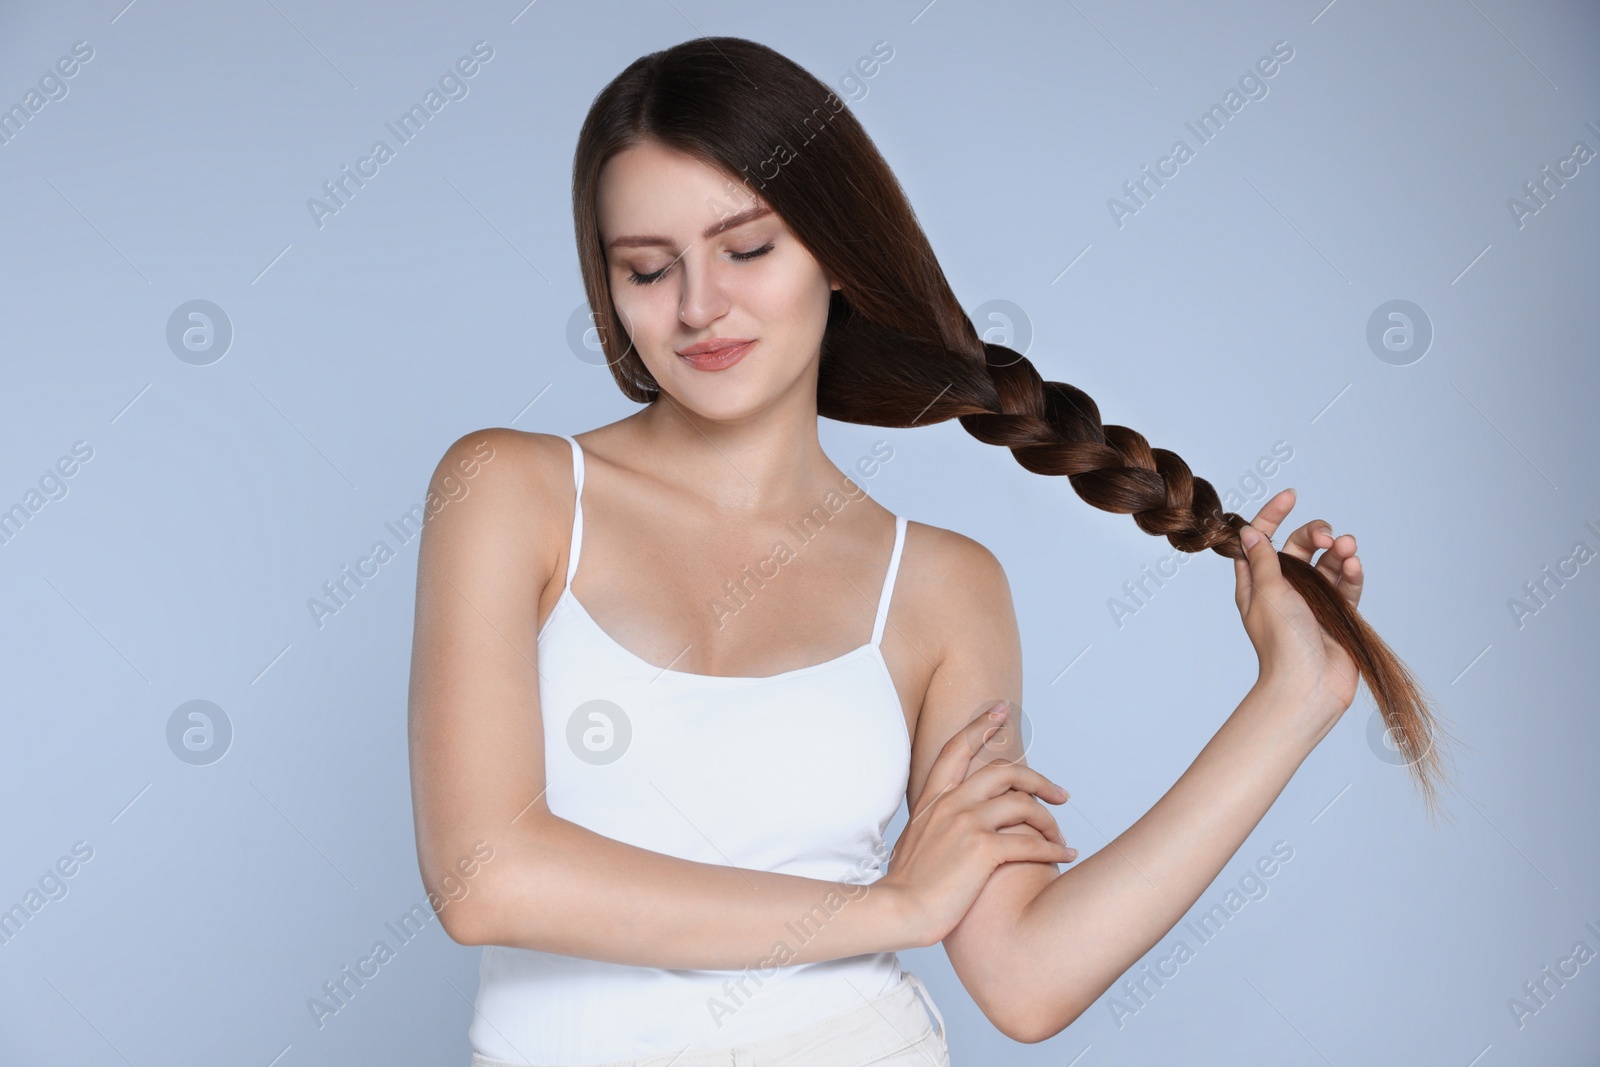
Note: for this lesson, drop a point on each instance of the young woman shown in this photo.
(671, 681)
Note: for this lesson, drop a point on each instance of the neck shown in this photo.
(767, 461)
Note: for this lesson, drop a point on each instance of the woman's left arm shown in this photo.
(1038, 946)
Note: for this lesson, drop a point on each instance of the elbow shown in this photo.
(1032, 1021)
(473, 898)
(472, 912)
(1033, 1031)
(501, 906)
(466, 925)
(462, 924)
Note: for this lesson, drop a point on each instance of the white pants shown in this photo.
(902, 1028)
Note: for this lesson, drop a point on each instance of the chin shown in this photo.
(722, 398)
(724, 403)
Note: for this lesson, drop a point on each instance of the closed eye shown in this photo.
(753, 253)
(650, 279)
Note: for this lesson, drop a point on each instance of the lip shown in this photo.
(719, 353)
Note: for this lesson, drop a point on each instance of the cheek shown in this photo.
(792, 296)
(648, 313)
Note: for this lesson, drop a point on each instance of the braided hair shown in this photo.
(898, 349)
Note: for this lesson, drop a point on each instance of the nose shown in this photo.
(702, 300)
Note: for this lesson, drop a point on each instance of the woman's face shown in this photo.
(685, 270)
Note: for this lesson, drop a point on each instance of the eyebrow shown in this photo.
(727, 223)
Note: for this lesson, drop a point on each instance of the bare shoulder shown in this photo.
(513, 466)
(497, 500)
(951, 565)
(955, 587)
(513, 455)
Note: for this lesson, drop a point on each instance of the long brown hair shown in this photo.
(898, 349)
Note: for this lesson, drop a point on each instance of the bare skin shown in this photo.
(678, 497)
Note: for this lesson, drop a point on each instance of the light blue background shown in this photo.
(1228, 314)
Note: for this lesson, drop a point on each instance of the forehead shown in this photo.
(650, 188)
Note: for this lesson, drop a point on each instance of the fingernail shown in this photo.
(998, 712)
(1072, 853)
(1248, 536)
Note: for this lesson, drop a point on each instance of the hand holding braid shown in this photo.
(1304, 627)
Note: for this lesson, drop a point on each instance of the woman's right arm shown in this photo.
(497, 525)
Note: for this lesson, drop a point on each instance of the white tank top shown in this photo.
(797, 773)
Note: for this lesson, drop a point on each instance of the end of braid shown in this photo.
(1055, 428)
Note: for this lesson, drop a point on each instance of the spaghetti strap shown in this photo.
(888, 579)
(577, 509)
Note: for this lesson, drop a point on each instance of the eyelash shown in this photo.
(650, 279)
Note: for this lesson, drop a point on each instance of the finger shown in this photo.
(1274, 512)
(1025, 848)
(1263, 559)
(1352, 580)
(1024, 828)
(997, 778)
(1351, 575)
(1018, 809)
(950, 766)
(1304, 542)
(1004, 745)
(1340, 549)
